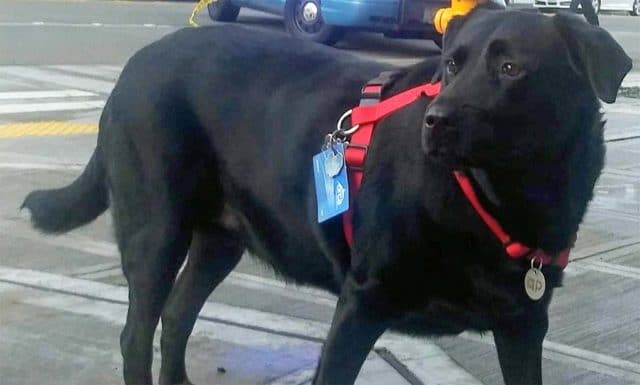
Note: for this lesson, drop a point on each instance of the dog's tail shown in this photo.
(63, 209)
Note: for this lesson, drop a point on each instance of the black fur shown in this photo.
(64, 209)
(206, 145)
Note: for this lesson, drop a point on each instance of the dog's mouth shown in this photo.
(442, 146)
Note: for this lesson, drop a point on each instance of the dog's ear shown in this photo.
(594, 54)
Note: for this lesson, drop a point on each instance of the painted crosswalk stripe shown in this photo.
(11, 95)
(54, 77)
(39, 166)
(113, 69)
(86, 25)
(82, 70)
(17, 108)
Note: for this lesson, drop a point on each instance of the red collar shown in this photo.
(363, 120)
(514, 249)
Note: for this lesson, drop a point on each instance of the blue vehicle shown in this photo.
(327, 21)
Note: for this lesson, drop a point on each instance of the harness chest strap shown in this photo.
(370, 111)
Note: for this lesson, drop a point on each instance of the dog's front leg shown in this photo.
(354, 330)
(519, 346)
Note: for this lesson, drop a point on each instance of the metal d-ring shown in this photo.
(533, 263)
(341, 121)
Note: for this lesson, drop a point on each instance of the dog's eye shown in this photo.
(510, 69)
(451, 67)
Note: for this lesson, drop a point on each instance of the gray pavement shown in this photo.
(63, 300)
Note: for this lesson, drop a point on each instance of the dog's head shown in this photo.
(518, 87)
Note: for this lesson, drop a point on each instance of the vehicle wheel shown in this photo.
(223, 10)
(303, 19)
(596, 6)
(635, 11)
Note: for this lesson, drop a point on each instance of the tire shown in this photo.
(303, 19)
(223, 10)
(635, 11)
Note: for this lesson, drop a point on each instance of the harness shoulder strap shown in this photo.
(370, 111)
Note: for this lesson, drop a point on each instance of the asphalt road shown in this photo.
(68, 34)
(62, 300)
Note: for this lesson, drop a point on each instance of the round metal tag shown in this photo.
(534, 284)
(333, 164)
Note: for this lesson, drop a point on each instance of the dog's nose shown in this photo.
(437, 117)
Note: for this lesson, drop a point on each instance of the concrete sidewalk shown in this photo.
(631, 80)
(253, 347)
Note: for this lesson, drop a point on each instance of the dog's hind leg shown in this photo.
(519, 346)
(154, 221)
(213, 254)
(151, 259)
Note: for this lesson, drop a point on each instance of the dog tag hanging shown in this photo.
(333, 163)
(534, 282)
(331, 182)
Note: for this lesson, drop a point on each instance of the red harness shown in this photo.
(363, 120)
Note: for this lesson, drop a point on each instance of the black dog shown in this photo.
(205, 146)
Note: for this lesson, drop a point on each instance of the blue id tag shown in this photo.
(332, 186)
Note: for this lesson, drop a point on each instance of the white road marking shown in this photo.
(605, 247)
(79, 272)
(428, 362)
(20, 229)
(298, 377)
(609, 268)
(67, 289)
(83, 25)
(54, 77)
(113, 69)
(631, 80)
(17, 108)
(281, 288)
(116, 314)
(86, 70)
(40, 166)
(623, 108)
(102, 274)
(44, 94)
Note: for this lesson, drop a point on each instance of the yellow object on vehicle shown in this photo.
(197, 9)
(458, 8)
